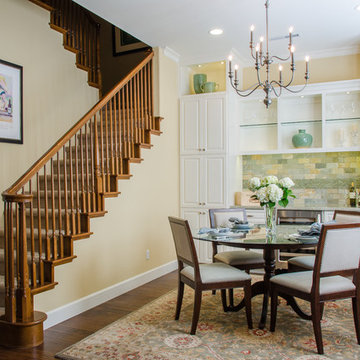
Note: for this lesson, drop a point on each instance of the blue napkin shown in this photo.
(315, 229)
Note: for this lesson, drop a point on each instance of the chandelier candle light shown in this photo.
(263, 58)
(271, 191)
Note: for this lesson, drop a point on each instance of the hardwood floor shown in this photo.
(70, 331)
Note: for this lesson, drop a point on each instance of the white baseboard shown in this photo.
(76, 307)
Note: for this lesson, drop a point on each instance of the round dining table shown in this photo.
(256, 239)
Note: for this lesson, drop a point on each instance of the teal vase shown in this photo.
(302, 139)
(199, 81)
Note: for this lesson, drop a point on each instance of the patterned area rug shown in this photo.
(151, 333)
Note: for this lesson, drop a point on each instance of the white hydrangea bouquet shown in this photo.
(271, 191)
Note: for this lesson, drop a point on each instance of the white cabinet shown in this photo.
(203, 160)
(330, 112)
(203, 181)
(197, 219)
(203, 127)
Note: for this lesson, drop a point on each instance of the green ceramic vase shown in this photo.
(199, 81)
(302, 139)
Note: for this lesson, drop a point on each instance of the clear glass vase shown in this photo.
(270, 221)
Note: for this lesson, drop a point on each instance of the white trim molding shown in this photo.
(171, 54)
(74, 308)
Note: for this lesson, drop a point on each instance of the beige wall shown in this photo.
(56, 95)
(137, 219)
(55, 92)
(321, 70)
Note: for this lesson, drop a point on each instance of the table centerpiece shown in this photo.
(270, 191)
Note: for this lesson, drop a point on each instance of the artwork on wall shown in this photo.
(125, 43)
(11, 122)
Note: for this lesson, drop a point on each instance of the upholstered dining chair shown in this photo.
(202, 277)
(337, 257)
(241, 259)
(301, 263)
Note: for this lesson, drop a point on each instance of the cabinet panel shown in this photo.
(190, 120)
(203, 125)
(190, 181)
(197, 219)
(214, 125)
(214, 181)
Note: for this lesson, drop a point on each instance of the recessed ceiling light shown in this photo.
(199, 65)
(216, 31)
(348, 92)
(357, 7)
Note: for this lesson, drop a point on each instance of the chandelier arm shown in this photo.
(252, 53)
(273, 89)
(245, 95)
(249, 88)
(291, 80)
(258, 77)
(279, 58)
(296, 91)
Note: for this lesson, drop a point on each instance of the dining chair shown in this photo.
(301, 263)
(337, 256)
(202, 277)
(241, 259)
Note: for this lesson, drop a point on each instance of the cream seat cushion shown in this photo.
(239, 257)
(306, 262)
(302, 281)
(216, 272)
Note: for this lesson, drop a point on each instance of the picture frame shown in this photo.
(125, 43)
(11, 102)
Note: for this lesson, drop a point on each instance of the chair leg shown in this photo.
(356, 314)
(180, 295)
(322, 306)
(316, 316)
(274, 304)
(231, 297)
(196, 312)
(223, 300)
(247, 291)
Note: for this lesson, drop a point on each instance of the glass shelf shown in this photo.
(301, 122)
(253, 125)
(343, 119)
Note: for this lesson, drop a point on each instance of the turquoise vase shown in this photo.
(199, 81)
(302, 139)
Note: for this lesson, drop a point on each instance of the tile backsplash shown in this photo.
(321, 179)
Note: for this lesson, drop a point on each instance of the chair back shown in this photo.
(346, 216)
(184, 243)
(338, 251)
(220, 217)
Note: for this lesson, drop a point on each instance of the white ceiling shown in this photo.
(326, 27)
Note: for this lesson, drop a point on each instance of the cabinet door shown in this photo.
(197, 219)
(213, 123)
(191, 177)
(213, 181)
(190, 126)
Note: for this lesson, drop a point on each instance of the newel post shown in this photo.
(21, 325)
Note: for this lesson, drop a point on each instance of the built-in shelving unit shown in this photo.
(330, 112)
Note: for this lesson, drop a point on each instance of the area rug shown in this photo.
(152, 333)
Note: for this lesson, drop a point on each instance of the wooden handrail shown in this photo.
(37, 166)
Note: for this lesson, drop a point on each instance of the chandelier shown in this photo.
(264, 59)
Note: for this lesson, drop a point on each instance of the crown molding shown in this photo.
(171, 54)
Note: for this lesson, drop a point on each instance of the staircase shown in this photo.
(51, 205)
(81, 34)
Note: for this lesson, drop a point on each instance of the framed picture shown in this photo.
(11, 84)
(125, 43)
